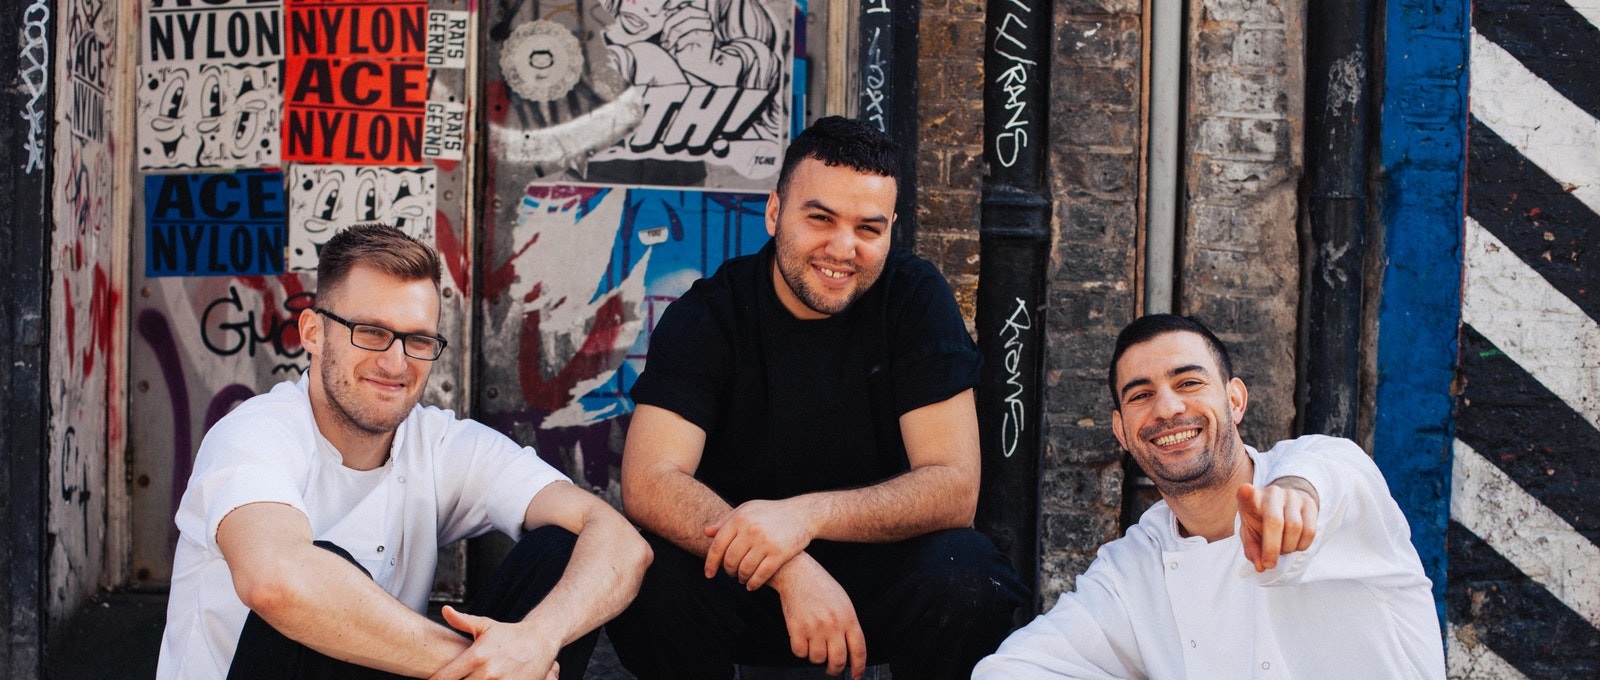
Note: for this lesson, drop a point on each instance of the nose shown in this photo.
(842, 244)
(1167, 404)
(392, 360)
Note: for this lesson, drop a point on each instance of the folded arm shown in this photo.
(600, 579)
(318, 599)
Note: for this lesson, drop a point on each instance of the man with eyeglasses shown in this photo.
(309, 530)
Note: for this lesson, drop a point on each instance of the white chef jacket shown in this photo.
(1155, 604)
(445, 479)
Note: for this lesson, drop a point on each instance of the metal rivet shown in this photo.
(144, 481)
(494, 393)
(447, 386)
(449, 293)
(144, 385)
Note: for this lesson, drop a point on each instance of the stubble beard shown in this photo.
(346, 402)
(793, 267)
(1212, 467)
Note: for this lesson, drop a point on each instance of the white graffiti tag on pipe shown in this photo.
(1014, 82)
(1011, 424)
(36, 77)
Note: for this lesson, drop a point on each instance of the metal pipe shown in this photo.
(1014, 255)
(1164, 173)
(1334, 220)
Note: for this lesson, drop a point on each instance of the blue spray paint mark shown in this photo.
(1424, 164)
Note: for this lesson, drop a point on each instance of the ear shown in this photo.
(1238, 399)
(1116, 428)
(773, 203)
(311, 331)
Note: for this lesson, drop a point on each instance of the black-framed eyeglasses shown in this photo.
(378, 339)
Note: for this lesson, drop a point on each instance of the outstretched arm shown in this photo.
(1277, 519)
(599, 581)
(317, 598)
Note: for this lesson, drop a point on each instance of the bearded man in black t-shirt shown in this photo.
(804, 455)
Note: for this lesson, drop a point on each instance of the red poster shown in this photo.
(355, 82)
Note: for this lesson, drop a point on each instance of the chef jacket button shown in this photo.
(380, 548)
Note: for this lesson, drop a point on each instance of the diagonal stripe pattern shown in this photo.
(1523, 594)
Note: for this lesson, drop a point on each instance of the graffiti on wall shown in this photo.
(85, 300)
(589, 270)
(644, 92)
(1523, 595)
(208, 93)
(34, 69)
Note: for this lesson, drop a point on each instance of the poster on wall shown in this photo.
(326, 198)
(590, 269)
(208, 93)
(671, 93)
(227, 224)
(356, 82)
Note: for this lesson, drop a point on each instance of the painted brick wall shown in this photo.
(1239, 259)
(1523, 591)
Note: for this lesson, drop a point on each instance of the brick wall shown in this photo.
(1094, 182)
(1239, 267)
(950, 158)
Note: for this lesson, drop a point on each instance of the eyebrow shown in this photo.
(815, 204)
(1141, 382)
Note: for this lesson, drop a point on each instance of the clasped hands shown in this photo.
(762, 543)
(1277, 519)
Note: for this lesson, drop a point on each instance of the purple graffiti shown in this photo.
(154, 329)
(224, 402)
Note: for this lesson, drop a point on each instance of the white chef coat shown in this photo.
(1155, 604)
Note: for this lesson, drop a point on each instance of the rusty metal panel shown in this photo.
(631, 146)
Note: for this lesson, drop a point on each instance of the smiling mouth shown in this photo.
(832, 273)
(1175, 438)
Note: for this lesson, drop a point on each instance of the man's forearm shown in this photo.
(600, 579)
(675, 506)
(923, 500)
(325, 603)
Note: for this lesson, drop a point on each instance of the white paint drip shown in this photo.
(1560, 138)
(1525, 532)
(1471, 658)
(1533, 323)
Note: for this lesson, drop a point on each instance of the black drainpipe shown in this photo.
(1334, 220)
(1014, 247)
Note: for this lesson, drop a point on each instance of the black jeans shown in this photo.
(528, 573)
(930, 607)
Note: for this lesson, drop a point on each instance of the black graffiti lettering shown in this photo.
(237, 330)
(681, 118)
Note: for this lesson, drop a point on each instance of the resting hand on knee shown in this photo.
(500, 650)
(821, 618)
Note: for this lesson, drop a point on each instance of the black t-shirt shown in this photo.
(793, 406)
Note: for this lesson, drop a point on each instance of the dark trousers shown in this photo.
(930, 607)
(528, 574)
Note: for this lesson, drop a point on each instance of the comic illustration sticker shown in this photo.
(326, 198)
